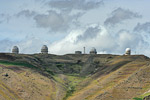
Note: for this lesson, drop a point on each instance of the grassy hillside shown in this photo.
(74, 77)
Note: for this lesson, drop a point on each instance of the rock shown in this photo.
(147, 97)
(6, 75)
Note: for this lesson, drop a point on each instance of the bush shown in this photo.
(17, 63)
(137, 98)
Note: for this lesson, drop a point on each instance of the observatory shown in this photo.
(15, 50)
(93, 51)
(44, 49)
(78, 52)
(128, 51)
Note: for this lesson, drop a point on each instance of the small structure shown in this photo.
(93, 51)
(44, 49)
(78, 52)
(128, 51)
(84, 50)
(15, 50)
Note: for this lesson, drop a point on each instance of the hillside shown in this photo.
(73, 77)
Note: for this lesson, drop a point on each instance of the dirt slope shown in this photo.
(20, 83)
(73, 77)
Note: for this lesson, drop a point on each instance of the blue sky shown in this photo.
(65, 26)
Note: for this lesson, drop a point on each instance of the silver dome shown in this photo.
(44, 49)
(93, 51)
(15, 50)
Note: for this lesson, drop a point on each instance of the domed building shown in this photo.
(128, 51)
(44, 49)
(93, 51)
(15, 50)
(78, 52)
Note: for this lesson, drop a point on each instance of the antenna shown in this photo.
(84, 49)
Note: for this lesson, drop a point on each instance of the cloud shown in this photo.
(91, 32)
(105, 42)
(28, 45)
(127, 39)
(4, 18)
(31, 45)
(26, 13)
(59, 17)
(119, 15)
(93, 35)
(56, 21)
(6, 45)
(98, 38)
(74, 4)
(143, 27)
(144, 31)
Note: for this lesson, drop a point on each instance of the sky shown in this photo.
(66, 26)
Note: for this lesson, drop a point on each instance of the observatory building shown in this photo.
(15, 50)
(78, 52)
(93, 51)
(44, 49)
(128, 51)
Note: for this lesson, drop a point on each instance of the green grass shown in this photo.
(141, 97)
(72, 79)
(60, 66)
(69, 92)
(25, 64)
(49, 71)
(137, 98)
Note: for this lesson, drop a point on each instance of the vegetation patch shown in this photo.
(70, 82)
(137, 98)
(69, 92)
(49, 71)
(141, 97)
(60, 66)
(25, 64)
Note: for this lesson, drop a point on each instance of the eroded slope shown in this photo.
(73, 77)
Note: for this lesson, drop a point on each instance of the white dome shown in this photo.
(128, 49)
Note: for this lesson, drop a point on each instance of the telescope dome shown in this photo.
(15, 50)
(44, 49)
(93, 51)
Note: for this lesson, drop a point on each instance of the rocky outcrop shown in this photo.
(147, 97)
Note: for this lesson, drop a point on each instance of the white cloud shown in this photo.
(145, 27)
(31, 45)
(99, 39)
(56, 21)
(119, 15)
(28, 45)
(103, 41)
(75, 4)
(26, 13)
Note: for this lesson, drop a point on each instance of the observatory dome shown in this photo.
(128, 51)
(15, 50)
(93, 51)
(44, 49)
